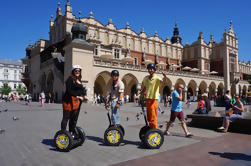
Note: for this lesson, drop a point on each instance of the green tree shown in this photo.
(5, 89)
(20, 89)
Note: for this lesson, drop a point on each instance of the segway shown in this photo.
(113, 135)
(64, 141)
(151, 138)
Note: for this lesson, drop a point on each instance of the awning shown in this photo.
(213, 72)
(161, 64)
(194, 69)
(128, 59)
(147, 61)
(187, 68)
(174, 65)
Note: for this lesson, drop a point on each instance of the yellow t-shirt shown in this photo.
(152, 87)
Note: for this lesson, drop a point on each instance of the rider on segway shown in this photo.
(115, 97)
(72, 100)
(150, 85)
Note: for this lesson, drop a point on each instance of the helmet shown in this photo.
(151, 66)
(76, 67)
(115, 73)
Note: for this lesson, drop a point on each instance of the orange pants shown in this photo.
(151, 109)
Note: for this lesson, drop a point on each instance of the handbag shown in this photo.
(230, 112)
(73, 105)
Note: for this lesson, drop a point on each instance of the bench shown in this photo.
(213, 120)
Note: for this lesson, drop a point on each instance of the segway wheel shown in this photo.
(142, 132)
(113, 136)
(122, 129)
(82, 135)
(154, 138)
(63, 141)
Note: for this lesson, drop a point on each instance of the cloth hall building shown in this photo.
(202, 67)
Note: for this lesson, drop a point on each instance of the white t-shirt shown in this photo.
(118, 88)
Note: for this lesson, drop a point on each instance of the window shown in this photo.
(15, 77)
(6, 77)
(116, 53)
(15, 86)
(26, 69)
(6, 70)
(15, 71)
(20, 71)
(208, 66)
(95, 50)
(135, 61)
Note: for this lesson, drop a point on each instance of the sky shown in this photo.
(25, 22)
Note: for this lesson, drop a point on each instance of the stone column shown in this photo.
(185, 94)
(197, 93)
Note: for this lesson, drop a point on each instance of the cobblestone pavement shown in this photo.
(28, 140)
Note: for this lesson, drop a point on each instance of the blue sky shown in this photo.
(24, 21)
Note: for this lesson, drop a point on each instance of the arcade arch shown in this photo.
(50, 82)
(220, 90)
(212, 90)
(202, 87)
(102, 83)
(42, 80)
(166, 88)
(131, 83)
(191, 88)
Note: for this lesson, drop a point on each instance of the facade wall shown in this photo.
(10, 73)
(109, 41)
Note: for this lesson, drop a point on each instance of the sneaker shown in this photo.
(189, 135)
(167, 133)
(221, 128)
(223, 131)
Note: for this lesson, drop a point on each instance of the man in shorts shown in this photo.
(176, 111)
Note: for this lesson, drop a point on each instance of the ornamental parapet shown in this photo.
(118, 64)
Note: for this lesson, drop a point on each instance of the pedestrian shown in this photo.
(115, 97)
(176, 110)
(232, 115)
(227, 99)
(207, 102)
(94, 99)
(215, 99)
(151, 84)
(159, 108)
(72, 99)
(201, 108)
(42, 96)
(26, 99)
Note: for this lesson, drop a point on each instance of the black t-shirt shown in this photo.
(73, 89)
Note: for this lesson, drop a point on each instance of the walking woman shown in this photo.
(72, 99)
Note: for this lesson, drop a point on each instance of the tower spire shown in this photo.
(176, 38)
(231, 29)
(79, 16)
(59, 13)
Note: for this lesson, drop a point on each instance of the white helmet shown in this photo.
(76, 67)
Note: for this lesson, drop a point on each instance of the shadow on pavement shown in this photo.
(125, 142)
(49, 142)
(232, 156)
